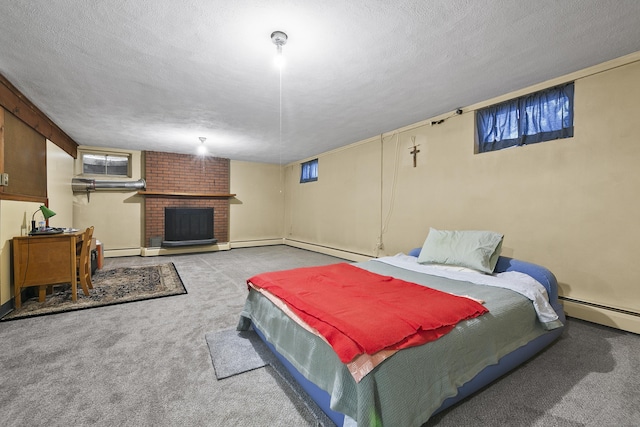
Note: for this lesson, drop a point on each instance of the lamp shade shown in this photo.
(46, 212)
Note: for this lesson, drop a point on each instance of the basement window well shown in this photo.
(106, 164)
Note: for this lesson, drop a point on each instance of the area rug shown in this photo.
(236, 352)
(226, 346)
(110, 286)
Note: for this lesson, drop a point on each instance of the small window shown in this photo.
(105, 164)
(537, 117)
(309, 171)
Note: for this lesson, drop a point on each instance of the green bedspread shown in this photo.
(408, 387)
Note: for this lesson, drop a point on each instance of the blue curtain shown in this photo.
(309, 171)
(541, 116)
(498, 126)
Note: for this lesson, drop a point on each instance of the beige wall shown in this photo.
(256, 214)
(342, 209)
(569, 205)
(117, 215)
(14, 215)
(257, 211)
(59, 175)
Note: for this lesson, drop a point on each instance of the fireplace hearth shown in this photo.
(188, 226)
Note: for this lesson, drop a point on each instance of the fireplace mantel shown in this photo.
(185, 195)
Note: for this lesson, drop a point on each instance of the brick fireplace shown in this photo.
(182, 180)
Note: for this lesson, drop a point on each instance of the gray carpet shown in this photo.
(147, 363)
(236, 352)
(589, 377)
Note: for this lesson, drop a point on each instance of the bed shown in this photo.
(414, 383)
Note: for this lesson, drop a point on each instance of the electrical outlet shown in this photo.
(4, 179)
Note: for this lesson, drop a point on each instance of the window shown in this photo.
(309, 171)
(105, 164)
(537, 117)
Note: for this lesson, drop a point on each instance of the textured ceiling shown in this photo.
(157, 75)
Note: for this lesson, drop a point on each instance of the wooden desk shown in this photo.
(45, 260)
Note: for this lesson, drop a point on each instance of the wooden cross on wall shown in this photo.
(414, 150)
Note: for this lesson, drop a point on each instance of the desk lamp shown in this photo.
(46, 212)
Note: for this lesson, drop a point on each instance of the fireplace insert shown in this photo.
(188, 227)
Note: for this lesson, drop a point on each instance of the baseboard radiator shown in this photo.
(605, 315)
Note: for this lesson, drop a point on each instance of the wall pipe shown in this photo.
(82, 185)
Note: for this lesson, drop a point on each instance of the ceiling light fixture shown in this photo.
(279, 38)
(202, 150)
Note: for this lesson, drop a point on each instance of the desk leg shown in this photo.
(17, 292)
(74, 275)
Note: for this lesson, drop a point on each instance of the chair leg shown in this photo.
(85, 288)
(82, 278)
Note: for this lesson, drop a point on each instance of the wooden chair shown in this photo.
(83, 261)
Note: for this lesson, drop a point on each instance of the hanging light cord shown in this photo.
(280, 132)
(279, 38)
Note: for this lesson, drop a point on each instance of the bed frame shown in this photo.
(484, 377)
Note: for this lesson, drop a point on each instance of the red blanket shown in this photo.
(357, 311)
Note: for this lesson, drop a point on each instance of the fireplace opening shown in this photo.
(188, 227)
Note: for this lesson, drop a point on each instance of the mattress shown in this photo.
(410, 386)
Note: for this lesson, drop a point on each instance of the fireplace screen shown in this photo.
(188, 226)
